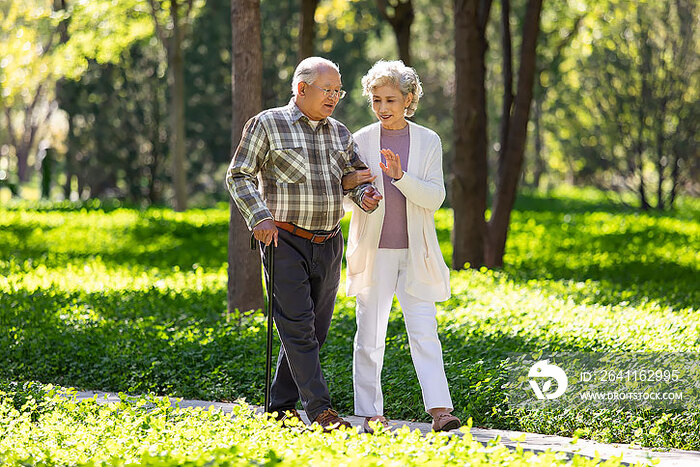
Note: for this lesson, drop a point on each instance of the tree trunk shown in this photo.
(67, 185)
(507, 183)
(80, 179)
(646, 100)
(507, 81)
(24, 142)
(46, 172)
(177, 98)
(469, 179)
(60, 91)
(22, 154)
(643, 203)
(244, 275)
(639, 159)
(403, 40)
(68, 169)
(307, 30)
(661, 160)
(539, 159)
(157, 148)
(675, 175)
(400, 22)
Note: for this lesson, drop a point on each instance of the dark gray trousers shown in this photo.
(306, 283)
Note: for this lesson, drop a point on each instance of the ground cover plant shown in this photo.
(116, 299)
(150, 431)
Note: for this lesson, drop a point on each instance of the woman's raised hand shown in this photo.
(393, 164)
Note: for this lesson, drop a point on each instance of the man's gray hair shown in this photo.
(395, 74)
(308, 70)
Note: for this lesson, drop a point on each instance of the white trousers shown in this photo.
(372, 311)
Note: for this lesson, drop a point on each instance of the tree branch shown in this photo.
(188, 18)
(403, 11)
(159, 29)
(507, 72)
(570, 37)
(382, 7)
(29, 111)
(483, 13)
(10, 127)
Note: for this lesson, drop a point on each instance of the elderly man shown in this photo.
(301, 155)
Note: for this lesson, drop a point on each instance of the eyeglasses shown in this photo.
(330, 92)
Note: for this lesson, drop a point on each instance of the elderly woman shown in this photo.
(395, 250)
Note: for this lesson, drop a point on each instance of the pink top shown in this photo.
(394, 230)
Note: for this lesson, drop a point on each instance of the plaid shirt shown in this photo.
(300, 168)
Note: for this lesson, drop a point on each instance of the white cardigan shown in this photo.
(424, 188)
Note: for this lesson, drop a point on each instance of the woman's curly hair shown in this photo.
(395, 74)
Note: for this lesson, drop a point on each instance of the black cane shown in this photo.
(269, 260)
(270, 286)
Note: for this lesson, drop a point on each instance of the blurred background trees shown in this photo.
(625, 100)
(87, 91)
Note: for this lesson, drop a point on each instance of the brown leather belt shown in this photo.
(303, 233)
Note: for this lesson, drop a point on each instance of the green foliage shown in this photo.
(150, 431)
(615, 99)
(208, 100)
(27, 397)
(343, 29)
(109, 149)
(623, 107)
(117, 142)
(108, 298)
(33, 56)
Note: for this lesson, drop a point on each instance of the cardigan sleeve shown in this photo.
(428, 193)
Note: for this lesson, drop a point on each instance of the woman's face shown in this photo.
(389, 105)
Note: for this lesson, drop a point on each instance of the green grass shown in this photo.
(108, 298)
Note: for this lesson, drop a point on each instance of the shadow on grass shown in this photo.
(180, 244)
(537, 202)
(136, 342)
(555, 241)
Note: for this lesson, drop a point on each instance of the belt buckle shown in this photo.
(313, 238)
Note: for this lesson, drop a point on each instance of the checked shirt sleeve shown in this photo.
(356, 163)
(241, 177)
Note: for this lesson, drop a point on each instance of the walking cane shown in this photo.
(269, 259)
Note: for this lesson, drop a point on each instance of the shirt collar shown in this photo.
(297, 114)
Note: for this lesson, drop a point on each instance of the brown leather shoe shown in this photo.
(330, 420)
(377, 418)
(445, 422)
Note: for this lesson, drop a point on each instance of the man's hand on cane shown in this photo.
(266, 231)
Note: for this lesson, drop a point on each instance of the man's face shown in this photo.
(313, 101)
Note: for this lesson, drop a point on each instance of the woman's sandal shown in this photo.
(378, 419)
